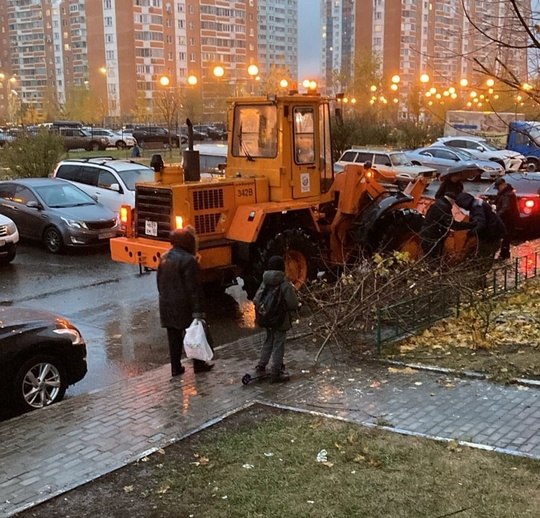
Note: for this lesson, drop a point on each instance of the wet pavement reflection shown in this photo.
(115, 308)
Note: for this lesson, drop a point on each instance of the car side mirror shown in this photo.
(115, 187)
(33, 204)
(480, 148)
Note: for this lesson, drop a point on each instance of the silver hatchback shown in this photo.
(56, 213)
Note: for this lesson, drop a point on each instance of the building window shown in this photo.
(107, 4)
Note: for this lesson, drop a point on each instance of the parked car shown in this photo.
(154, 134)
(527, 188)
(41, 354)
(57, 213)
(443, 158)
(110, 181)
(77, 138)
(9, 237)
(5, 138)
(482, 148)
(197, 133)
(115, 139)
(387, 163)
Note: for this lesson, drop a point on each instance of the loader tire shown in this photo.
(299, 253)
(400, 231)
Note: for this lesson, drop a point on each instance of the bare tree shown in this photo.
(511, 37)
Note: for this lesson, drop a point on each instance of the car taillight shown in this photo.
(529, 205)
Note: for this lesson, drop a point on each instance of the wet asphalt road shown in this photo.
(114, 307)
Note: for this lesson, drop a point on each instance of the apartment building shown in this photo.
(414, 37)
(119, 50)
(278, 37)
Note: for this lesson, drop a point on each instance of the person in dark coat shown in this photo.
(450, 183)
(438, 222)
(274, 344)
(507, 208)
(489, 227)
(180, 295)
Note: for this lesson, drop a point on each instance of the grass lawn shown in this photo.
(262, 462)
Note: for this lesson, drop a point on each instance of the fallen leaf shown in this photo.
(375, 384)
(128, 489)
(161, 451)
(162, 490)
(359, 458)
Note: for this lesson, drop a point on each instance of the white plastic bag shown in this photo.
(195, 342)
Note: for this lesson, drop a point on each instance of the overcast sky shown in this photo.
(309, 39)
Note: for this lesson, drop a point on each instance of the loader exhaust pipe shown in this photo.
(192, 167)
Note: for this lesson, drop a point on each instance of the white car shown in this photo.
(119, 140)
(387, 163)
(109, 181)
(482, 148)
(9, 236)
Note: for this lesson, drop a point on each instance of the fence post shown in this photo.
(379, 331)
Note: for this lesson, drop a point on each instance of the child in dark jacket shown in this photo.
(274, 344)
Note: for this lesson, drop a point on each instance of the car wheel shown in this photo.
(120, 145)
(39, 382)
(52, 239)
(532, 166)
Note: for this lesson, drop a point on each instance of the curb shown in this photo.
(465, 374)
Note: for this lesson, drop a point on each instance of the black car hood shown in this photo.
(14, 318)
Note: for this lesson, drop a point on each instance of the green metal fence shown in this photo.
(405, 317)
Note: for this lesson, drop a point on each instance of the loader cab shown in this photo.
(287, 140)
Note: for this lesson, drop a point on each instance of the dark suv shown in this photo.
(154, 134)
(76, 138)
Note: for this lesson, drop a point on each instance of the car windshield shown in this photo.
(464, 155)
(133, 176)
(63, 195)
(488, 145)
(400, 159)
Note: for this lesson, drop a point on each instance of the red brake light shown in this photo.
(528, 205)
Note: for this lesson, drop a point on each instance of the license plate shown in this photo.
(150, 228)
(107, 235)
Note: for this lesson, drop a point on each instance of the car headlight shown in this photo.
(72, 333)
(490, 168)
(73, 223)
(11, 228)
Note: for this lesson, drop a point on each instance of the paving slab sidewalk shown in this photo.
(48, 452)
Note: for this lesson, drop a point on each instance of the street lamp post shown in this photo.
(253, 71)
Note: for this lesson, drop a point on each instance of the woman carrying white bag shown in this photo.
(180, 302)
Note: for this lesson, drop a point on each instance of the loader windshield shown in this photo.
(255, 131)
